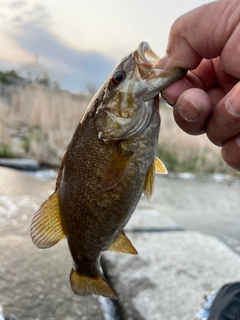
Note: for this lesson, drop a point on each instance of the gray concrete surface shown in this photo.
(167, 280)
(171, 274)
(34, 284)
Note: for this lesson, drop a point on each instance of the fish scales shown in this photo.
(110, 209)
(109, 163)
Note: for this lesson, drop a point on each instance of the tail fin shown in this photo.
(84, 286)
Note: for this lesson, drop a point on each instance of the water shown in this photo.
(109, 309)
(43, 174)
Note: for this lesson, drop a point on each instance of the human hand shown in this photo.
(206, 41)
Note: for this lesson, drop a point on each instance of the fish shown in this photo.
(109, 163)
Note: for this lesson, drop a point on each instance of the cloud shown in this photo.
(33, 34)
(36, 16)
(17, 4)
(91, 66)
(17, 20)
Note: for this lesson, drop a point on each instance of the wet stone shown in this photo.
(20, 164)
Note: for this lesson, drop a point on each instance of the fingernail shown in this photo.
(233, 105)
(191, 110)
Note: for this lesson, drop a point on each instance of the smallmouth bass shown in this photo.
(109, 163)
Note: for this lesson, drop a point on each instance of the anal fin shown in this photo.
(122, 244)
(46, 226)
(84, 286)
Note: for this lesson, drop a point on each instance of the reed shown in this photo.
(38, 122)
(185, 153)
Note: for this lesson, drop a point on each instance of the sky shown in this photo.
(79, 42)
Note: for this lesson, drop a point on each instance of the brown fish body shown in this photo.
(92, 218)
(109, 163)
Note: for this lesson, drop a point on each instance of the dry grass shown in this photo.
(38, 122)
(183, 152)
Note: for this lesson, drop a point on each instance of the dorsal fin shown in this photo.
(46, 226)
(159, 166)
(115, 167)
(149, 182)
(122, 244)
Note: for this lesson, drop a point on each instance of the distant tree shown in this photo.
(47, 82)
(10, 77)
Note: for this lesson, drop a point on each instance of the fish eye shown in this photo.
(118, 77)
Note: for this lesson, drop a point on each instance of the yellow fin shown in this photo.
(159, 166)
(115, 167)
(85, 286)
(122, 244)
(46, 226)
(149, 182)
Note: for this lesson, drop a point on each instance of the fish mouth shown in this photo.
(146, 60)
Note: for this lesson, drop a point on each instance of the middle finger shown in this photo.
(224, 122)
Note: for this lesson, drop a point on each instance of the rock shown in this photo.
(171, 274)
(20, 164)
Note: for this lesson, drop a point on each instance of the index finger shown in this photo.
(201, 33)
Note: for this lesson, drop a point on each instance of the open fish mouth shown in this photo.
(146, 59)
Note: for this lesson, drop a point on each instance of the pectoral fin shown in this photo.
(115, 167)
(46, 226)
(122, 244)
(159, 166)
(149, 182)
(156, 167)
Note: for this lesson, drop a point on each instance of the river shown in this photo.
(209, 205)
